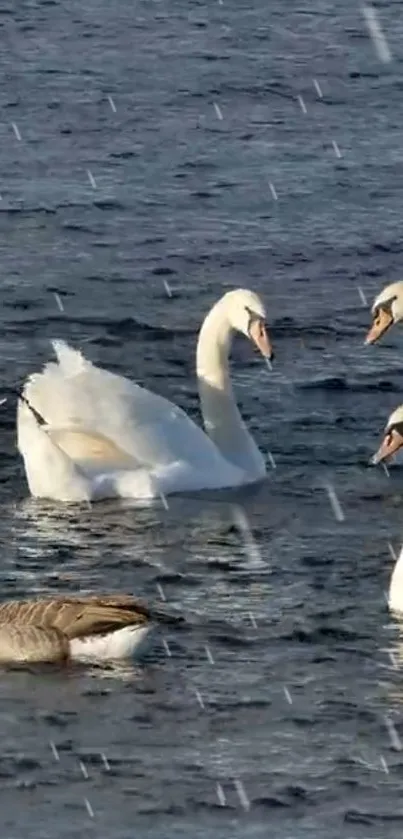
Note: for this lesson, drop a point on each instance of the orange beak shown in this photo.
(391, 443)
(259, 336)
(381, 323)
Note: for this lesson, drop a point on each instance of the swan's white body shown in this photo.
(387, 310)
(395, 598)
(105, 436)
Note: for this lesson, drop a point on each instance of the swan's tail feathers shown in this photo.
(71, 362)
(49, 471)
(38, 417)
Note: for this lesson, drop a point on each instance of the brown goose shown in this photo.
(93, 627)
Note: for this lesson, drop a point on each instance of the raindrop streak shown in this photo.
(167, 288)
(394, 737)
(199, 699)
(318, 88)
(335, 503)
(58, 301)
(91, 179)
(89, 808)
(221, 795)
(362, 295)
(208, 654)
(378, 38)
(302, 104)
(393, 659)
(384, 765)
(218, 111)
(54, 751)
(273, 191)
(112, 104)
(245, 803)
(161, 591)
(16, 130)
(251, 547)
(336, 149)
(105, 762)
(252, 620)
(166, 647)
(392, 551)
(272, 461)
(287, 695)
(83, 769)
(164, 501)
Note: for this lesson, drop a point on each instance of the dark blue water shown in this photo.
(268, 716)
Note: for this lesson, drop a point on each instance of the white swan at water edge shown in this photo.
(88, 628)
(391, 443)
(386, 310)
(392, 440)
(85, 433)
(395, 597)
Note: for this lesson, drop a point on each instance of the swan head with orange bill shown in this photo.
(387, 309)
(246, 313)
(392, 439)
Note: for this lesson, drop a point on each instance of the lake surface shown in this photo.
(153, 143)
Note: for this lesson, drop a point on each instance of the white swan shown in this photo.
(391, 443)
(387, 309)
(85, 433)
(392, 438)
(395, 598)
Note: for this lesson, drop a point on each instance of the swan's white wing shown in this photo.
(76, 394)
(75, 466)
(92, 448)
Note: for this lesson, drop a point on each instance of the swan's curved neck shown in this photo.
(222, 420)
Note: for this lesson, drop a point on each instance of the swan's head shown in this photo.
(247, 314)
(387, 309)
(393, 437)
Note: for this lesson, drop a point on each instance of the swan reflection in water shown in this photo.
(78, 544)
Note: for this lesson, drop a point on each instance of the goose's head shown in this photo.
(387, 309)
(393, 437)
(247, 314)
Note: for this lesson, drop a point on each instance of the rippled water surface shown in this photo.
(154, 140)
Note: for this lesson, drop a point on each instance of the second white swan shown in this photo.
(86, 434)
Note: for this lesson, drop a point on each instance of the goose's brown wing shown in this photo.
(77, 616)
(89, 615)
(97, 616)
